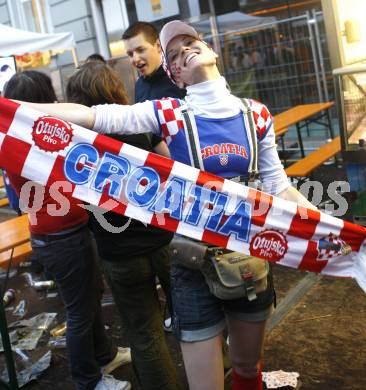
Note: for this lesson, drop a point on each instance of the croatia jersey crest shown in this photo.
(332, 246)
(224, 159)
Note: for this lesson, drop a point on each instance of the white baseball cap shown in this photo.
(174, 28)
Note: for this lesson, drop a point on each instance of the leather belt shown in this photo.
(56, 237)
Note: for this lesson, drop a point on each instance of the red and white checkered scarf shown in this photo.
(38, 147)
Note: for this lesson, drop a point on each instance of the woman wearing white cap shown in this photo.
(199, 316)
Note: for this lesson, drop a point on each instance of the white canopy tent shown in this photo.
(17, 42)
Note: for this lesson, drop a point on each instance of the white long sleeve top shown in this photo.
(216, 111)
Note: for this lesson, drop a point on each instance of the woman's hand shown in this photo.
(292, 194)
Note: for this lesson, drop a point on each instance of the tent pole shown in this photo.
(74, 57)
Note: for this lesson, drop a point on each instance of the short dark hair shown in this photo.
(96, 83)
(149, 30)
(30, 86)
(96, 57)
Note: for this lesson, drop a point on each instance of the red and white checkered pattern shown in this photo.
(224, 159)
(171, 119)
(262, 117)
(21, 156)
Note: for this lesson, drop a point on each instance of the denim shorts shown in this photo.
(199, 315)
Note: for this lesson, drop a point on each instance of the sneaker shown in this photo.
(122, 357)
(108, 382)
(168, 324)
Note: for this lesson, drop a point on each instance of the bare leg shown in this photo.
(246, 344)
(203, 364)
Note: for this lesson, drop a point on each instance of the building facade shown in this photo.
(98, 25)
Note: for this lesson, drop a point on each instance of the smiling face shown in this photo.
(144, 55)
(191, 61)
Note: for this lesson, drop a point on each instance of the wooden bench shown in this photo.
(281, 132)
(14, 234)
(301, 116)
(4, 202)
(305, 166)
(21, 253)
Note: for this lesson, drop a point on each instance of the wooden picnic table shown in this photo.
(281, 132)
(13, 233)
(301, 116)
(14, 241)
(304, 167)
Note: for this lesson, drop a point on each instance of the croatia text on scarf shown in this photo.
(155, 190)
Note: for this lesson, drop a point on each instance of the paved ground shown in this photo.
(318, 330)
(321, 335)
(323, 338)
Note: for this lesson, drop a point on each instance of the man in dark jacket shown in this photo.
(142, 45)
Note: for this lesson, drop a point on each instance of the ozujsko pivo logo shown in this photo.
(51, 134)
(269, 244)
(195, 204)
